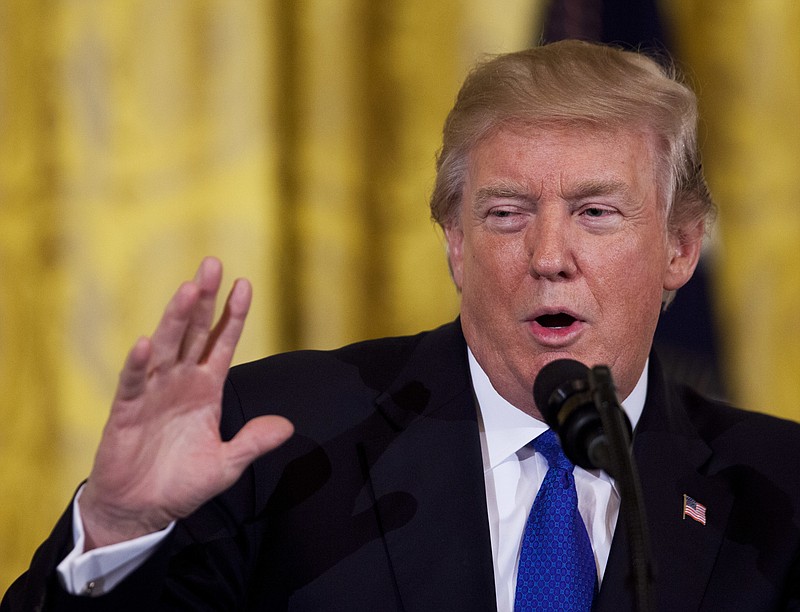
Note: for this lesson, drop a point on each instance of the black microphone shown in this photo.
(581, 406)
(565, 391)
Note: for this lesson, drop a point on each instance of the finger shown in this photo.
(258, 436)
(133, 377)
(168, 336)
(208, 279)
(225, 335)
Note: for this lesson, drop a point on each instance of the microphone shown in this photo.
(581, 406)
(569, 396)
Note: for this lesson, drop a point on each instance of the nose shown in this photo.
(549, 246)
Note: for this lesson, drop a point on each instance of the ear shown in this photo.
(455, 251)
(685, 245)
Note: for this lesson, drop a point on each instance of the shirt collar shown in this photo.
(507, 429)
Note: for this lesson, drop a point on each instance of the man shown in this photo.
(572, 198)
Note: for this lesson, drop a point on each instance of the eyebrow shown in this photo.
(592, 188)
(585, 189)
(503, 190)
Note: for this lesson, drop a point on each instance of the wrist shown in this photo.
(104, 524)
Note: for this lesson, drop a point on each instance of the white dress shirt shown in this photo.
(101, 569)
(513, 473)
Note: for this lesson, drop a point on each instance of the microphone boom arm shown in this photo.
(621, 465)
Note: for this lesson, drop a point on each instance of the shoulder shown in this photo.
(304, 385)
(374, 363)
(738, 436)
(716, 419)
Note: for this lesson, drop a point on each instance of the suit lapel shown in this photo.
(442, 556)
(670, 457)
(431, 462)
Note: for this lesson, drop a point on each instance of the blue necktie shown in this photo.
(556, 565)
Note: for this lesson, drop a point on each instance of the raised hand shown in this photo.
(161, 455)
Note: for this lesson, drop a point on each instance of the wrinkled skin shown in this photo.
(561, 250)
(161, 456)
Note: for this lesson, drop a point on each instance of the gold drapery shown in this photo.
(744, 59)
(295, 140)
(133, 141)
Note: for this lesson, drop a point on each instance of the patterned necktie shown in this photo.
(556, 565)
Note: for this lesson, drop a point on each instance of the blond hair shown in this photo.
(578, 83)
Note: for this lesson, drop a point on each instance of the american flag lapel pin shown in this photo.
(694, 510)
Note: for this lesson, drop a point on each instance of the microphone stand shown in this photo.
(616, 458)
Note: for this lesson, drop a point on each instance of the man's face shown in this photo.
(560, 249)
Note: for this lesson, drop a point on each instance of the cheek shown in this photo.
(631, 280)
(494, 266)
(492, 273)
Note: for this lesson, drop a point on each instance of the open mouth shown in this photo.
(555, 321)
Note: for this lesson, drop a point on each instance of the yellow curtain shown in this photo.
(134, 140)
(295, 140)
(744, 58)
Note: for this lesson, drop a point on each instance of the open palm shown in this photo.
(161, 455)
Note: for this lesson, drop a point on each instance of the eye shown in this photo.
(599, 217)
(595, 212)
(502, 214)
(505, 219)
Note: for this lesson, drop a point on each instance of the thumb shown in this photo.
(258, 436)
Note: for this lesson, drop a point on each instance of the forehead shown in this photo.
(535, 157)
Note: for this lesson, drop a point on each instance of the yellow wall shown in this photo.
(744, 59)
(294, 140)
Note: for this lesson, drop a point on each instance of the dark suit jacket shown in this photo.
(377, 503)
